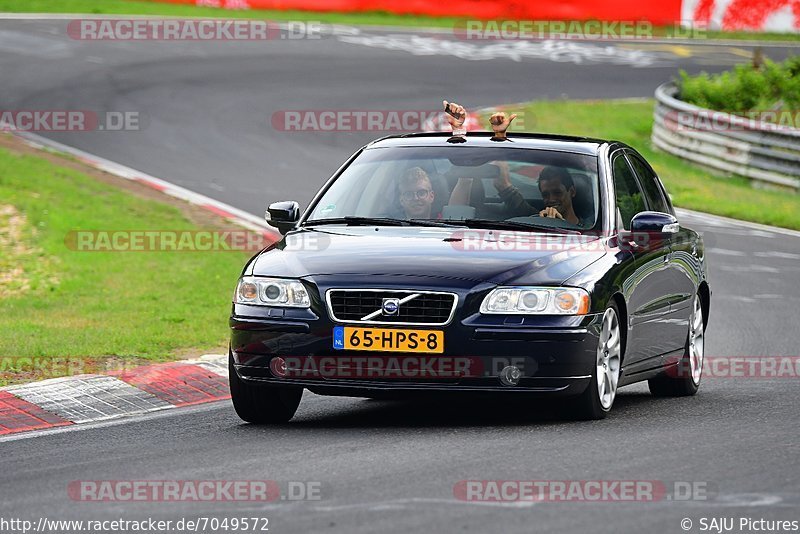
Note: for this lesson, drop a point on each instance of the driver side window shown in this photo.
(629, 196)
(648, 181)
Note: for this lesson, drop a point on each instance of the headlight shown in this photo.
(536, 301)
(271, 292)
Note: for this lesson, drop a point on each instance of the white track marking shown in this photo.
(726, 252)
(552, 50)
(776, 254)
(752, 268)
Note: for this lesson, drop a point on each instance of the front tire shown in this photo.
(596, 401)
(262, 404)
(684, 379)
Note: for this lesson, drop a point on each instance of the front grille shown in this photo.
(360, 305)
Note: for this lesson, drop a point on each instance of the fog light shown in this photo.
(277, 367)
(510, 375)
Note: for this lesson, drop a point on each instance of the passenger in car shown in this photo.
(555, 183)
(558, 192)
(416, 194)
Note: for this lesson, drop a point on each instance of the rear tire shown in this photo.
(262, 404)
(598, 398)
(683, 380)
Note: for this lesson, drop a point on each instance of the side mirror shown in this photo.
(655, 222)
(648, 230)
(283, 215)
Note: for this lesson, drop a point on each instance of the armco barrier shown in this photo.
(763, 152)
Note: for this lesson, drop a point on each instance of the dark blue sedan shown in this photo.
(428, 265)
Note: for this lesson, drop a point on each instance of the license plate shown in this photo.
(388, 339)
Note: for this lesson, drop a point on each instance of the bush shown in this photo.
(768, 86)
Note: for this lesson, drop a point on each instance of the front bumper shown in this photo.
(556, 355)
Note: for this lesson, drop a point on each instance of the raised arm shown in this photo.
(456, 116)
(500, 124)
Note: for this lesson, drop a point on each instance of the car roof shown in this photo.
(564, 143)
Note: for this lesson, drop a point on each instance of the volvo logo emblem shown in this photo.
(390, 306)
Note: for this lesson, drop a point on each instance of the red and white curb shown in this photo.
(91, 398)
(61, 402)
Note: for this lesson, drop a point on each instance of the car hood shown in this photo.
(500, 257)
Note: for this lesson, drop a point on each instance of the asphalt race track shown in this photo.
(385, 465)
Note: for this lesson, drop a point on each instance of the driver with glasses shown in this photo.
(416, 194)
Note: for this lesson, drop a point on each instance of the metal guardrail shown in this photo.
(764, 152)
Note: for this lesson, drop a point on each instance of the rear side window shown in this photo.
(648, 180)
(629, 196)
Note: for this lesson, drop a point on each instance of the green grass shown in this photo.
(371, 18)
(78, 304)
(690, 186)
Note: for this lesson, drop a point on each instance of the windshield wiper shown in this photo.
(381, 221)
(359, 221)
(515, 225)
(436, 222)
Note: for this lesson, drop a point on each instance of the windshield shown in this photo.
(466, 186)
